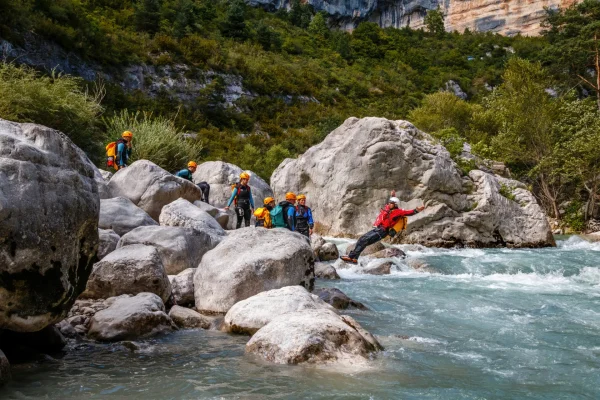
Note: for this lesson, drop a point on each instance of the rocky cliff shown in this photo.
(508, 17)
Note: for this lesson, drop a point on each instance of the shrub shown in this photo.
(155, 139)
(198, 50)
(506, 191)
(55, 100)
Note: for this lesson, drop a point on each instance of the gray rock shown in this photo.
(250, 261)
(182, 287)
(129, 270)
(46, 249)
(328, 252)
(185, 318)
(371, 249)
(316, 242)
(184, 214)
(388, 252)
(220, 176)
(122, 216)
(312, 336)
(108, 242)
(325, 271)
(130, 318)
(151, 188)
(338, 299)
(5, 375)
(377, 268)
(455, 89)
(207, 208)
(348, 178)
(248, 316)
(179, 248)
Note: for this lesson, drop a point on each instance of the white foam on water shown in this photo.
(577, 243)
(419, 339)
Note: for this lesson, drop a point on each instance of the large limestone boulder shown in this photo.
(108, 242)
(184, 214)
(185, 318)
(179, 248)
(338, 299)
(313, 336)
(49, 209)
(250, 261)
(129, 270)
(220, 176)
(250, 315)
(348, 178)
(150, 187)
(325, 271)
(130, 318)
(122, 216)
(182, 287)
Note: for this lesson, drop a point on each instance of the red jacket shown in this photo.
(387, 218)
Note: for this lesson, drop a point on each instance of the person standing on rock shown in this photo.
(263, 214)
(304, 218)
(187, 172)
(385, 225)
(124, 149)
(244, 204)
(284, 215)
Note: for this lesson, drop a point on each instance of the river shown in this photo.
(490, 324)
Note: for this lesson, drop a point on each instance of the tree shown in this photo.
(578, 153)
(526, 115)
(234, 24)
(300, 14)
(318, 26)
(574, 35)
(267, 37)
(434, 20)
(147, 15)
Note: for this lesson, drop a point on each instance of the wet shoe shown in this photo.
(349, 260)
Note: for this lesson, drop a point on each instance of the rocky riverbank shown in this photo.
(135, 254)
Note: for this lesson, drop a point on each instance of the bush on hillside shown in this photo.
(55, 100)
(155, 139)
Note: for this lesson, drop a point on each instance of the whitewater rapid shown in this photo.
(479, 324)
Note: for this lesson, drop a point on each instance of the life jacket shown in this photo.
(243, 194)
(263, 217)
(302, 218)
(279, 215)
(112, 158)
(392, 219)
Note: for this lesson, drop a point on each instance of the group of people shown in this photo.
(292, 213)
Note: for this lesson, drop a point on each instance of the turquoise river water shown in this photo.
(492, 324)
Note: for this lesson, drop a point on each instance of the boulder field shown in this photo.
(150, 257)
(348, 177)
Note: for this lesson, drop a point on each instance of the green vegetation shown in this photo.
(305, 80)
(156, 139)
(507, 192)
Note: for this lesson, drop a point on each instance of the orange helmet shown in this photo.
(192, 164)
(244, 175)
(268, 200)
(290, 196)
(301, 197)
(127, 134)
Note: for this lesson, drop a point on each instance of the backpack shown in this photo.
(111, 154)
(278, 216)
(400, 225)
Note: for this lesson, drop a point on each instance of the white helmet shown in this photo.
(395, 200)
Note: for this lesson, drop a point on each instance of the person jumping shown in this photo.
(389, 216)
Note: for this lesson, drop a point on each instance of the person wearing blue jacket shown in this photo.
(244, 204)
(304, 218)
(188, 173)
(123, 149)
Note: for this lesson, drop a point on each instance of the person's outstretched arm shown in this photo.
(233, 194)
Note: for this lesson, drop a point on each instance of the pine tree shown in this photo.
(234, 24)
(318, 26)
(434, 20)
(147, 15)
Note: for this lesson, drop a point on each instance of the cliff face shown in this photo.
(508, 17)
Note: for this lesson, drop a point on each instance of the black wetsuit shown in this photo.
(242, 209)
(205, 188)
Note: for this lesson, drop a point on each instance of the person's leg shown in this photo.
(373, 236)
(205, 193)
(239, 211)
(247, 215)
